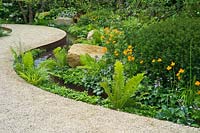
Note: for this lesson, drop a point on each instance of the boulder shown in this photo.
(63, 21)
(79, 49)
(90, 35)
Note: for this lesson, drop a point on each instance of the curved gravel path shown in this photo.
(28, 109)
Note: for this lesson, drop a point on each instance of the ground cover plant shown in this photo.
(151, 61)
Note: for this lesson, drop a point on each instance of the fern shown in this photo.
(27, 60)
(34, 76)
(120, 91)
(87, 61)
(60, 55)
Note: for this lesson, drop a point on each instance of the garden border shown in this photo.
(26, 108)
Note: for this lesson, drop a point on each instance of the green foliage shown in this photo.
(24, 65)
(60, 56)
(34, 76)
(170, 40)
(59, 60)
(70, 75)
(120, 91)
(68, 12)
(102, 18)
(141, 109)
(87, 60)
(171, 113)
(131, 26)
(93, 73)
(80, 31)
(79, 96)
(37, 52)
(27, 60)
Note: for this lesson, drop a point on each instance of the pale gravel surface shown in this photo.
(28, 109)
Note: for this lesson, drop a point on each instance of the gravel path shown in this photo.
(28, 109)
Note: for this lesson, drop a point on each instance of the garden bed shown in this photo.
(150, 66)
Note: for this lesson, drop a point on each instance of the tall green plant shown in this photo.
(60, 56)
(120, 91)
(24, 65)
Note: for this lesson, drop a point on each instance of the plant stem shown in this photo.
(191, 63)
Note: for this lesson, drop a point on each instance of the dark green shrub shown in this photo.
(170, 40)
(102, 18)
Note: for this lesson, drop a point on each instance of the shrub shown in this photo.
(102, 18)
(160, 44)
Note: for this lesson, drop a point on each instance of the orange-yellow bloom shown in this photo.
(198, 92)
(106, 29)
(197, 83)
(169, 68)
(129, 58)
(104, 49)
(125, 52)
(181, 70)
(153, 60)
(132, 58)
(130, 47)
(178, 74)
(172, 63)
(159, 60)
(102, 37)
(107, 42)
(116, 53)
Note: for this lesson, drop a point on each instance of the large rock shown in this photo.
(63, 21)
(78, 49)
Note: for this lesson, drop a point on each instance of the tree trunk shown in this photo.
(30, 15)
(42, 5)
(23, 12)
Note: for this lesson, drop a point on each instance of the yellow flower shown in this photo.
(130, 47)
(179, 78)
(181, 70)
(178, 74)
(153, 60)
(169, 68)
(111, 35)
(198, 92)
(107, 42)
(116, 53)
(172, 63)
(114, 42)
(116, 31)
(141, 62)
(107, 29)
(129, 58)
(104, 49)
(125, 52)
(197, 83)
(129, 51)
(132, 58)
(102, 37)
(159, 60)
